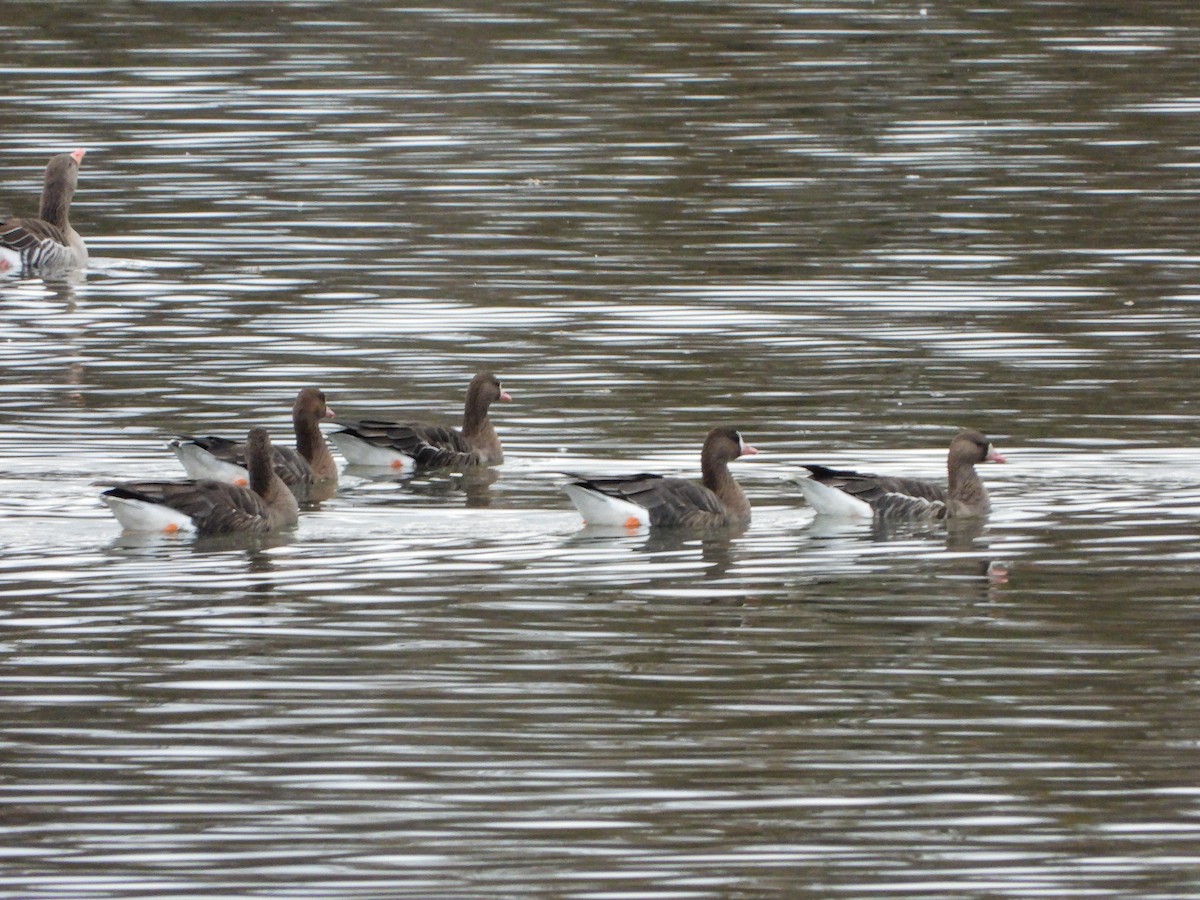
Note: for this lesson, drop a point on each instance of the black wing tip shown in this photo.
(819, 471)
(124, 492)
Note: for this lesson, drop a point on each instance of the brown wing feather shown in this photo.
(22, 235)
(431, 446)
(671, 502)
(215, 507)
(888, 496)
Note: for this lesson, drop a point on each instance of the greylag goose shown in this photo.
(842, 493)
(47, 245)
(405, 446)
(209, 507)
(223, 459)
(637, 500)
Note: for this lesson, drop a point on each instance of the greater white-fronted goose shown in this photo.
(842, 493)
(47, 245)
(206, 506)
(310, 463)
(637, 500)
(405, 446)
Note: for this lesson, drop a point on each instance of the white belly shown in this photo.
(600, 509)
(360, 453)
(138, 515)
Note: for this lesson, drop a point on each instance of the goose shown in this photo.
(209, 507)
(223, 459)
(635, 501)
(847, 494)
(46, 245)
(405, 446)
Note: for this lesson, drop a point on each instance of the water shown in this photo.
(848, 229)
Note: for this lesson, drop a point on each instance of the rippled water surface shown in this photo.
(848, 228)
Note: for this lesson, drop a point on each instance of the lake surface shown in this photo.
(847, 228)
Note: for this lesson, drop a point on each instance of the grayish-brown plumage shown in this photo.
(718, 501)
(376, 442)
(899, 498)
(47, 245)
(311, 462)
(213, 507)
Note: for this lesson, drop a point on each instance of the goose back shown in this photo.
(47, 245)
(891, 497)
(671, 502)
(404, 444)
(211, 456)
(211, 507)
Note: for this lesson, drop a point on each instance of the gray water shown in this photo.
(847, 228)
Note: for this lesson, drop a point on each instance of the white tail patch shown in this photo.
(10, 262)
(601, 509)
(199, 463)
(138, 515)
(360, 453)
(829, 501)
